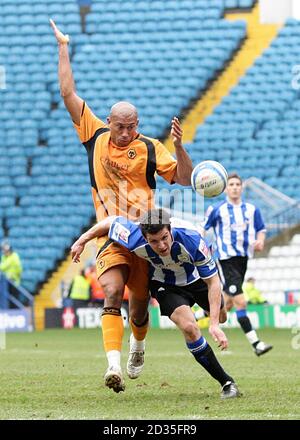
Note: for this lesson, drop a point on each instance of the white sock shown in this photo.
(136, 345)
(114, 358)
(252, 337)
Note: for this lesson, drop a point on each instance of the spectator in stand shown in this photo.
(252, 293)
(97, 292)
(80, 291)
(10, 270)
(10, 264)
(84, 8)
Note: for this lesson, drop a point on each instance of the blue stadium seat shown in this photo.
(128, 56)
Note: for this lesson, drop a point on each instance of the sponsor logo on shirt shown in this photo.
(120, 233)
(107, 162)
(239, 226)
(203, 248)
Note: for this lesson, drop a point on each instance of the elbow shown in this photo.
(183, 177)
(184, 181)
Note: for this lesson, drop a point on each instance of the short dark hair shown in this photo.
(234, 176)
(155, 220)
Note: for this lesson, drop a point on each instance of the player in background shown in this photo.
(122, 166)
(182, 273)
(239, 231)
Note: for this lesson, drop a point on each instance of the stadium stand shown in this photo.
(127, 54)
(278, 272)
(254, 130)
(161, 66)
(35, 205)
(239, 4)
(256, 123)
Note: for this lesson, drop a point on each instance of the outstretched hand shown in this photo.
(61, 38)
(176, 132)
(218, 336)
(76, 251)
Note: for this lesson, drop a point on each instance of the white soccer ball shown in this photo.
(209, 178)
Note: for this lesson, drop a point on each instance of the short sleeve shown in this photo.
(89, 124)
(125, 232)
(165, 163)
(258, 221)
(210, 218)
(208, 270)
(204, 261)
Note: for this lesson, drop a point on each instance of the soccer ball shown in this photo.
(209, 178)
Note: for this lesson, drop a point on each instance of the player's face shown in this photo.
(122, 129)
(161, 242)
(234, 188)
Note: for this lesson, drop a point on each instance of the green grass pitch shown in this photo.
(57, 374)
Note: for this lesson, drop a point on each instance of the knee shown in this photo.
(138, 312)
(190, 330)
(113, 294)
(241, 304)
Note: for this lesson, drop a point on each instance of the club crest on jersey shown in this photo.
(131, 153)
(120, 233)
(101, 264)
(183, 258)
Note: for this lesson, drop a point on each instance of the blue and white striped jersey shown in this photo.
(235, 228)
(190, 258)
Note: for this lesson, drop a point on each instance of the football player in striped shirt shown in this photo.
(239, 231)
(182, 273)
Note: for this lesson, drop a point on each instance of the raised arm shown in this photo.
(72, 101)
(214, 299)
(184, 163)
(95, 231)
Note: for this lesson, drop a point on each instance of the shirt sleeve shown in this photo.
(203, 260)
(258, 221)
(165, 163)
(211, 219)
(89, 124)
(125, 232)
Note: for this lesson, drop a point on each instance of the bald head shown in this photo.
(123, 122)
(123, 108)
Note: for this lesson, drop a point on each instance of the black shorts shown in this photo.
(170, 297)
(232, 274)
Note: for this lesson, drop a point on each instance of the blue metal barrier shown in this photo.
(6, 296)
(3, 292)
